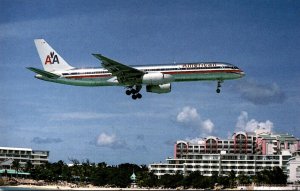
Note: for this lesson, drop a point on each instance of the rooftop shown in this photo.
(15, 148)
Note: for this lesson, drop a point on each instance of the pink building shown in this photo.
(264, 143)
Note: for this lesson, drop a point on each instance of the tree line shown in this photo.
(102, 174)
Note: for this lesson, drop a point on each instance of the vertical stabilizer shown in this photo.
(50, 59)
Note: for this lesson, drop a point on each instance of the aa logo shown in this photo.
(51, 59)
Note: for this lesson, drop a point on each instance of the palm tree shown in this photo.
(28, 166)
(16, 166)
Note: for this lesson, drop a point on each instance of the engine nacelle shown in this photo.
(156, 78)
(159, 89)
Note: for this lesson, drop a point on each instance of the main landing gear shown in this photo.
(134, 92)
(219, 86)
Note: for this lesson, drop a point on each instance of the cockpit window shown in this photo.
(231, 67)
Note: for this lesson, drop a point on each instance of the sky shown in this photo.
(102, 123)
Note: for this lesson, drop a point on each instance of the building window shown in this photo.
(298, 172)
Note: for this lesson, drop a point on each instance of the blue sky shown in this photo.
(102, 123)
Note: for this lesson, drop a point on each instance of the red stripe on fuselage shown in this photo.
(89, 76)
(164, 72)
(202, 71)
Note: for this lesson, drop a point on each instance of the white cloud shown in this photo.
(190, 116)
(253, 125)
(208, 125)
(187, 114)
(242, 120)
(111, 141)
(196, 140)
(244, 124)
(106, 140)
(261, 94)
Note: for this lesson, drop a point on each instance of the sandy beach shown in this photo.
(54, 187)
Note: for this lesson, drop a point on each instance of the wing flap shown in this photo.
(125, 74)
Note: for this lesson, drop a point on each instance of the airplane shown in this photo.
(156, 78)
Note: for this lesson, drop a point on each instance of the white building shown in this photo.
(221, 164)
(246, 153)
(293, 168)
(23, 155)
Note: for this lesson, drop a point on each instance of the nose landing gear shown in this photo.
(219, 86)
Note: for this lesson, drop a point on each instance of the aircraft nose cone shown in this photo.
(242, 73)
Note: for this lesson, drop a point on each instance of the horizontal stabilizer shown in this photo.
(43, 73)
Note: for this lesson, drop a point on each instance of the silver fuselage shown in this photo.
(218, 71)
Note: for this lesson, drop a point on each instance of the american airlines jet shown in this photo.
(156, 78)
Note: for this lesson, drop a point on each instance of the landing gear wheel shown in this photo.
(134, 91)
(139, 96)
(128, 92)
(134, 97)
(218, 86)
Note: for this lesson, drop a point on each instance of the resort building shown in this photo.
(245, 153)
(293, 168)
(23, 155)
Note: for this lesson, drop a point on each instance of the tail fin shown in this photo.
(51, 60)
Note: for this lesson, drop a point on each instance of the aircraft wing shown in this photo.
(126, 75)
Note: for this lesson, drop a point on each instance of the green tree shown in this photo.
(277, 176)
(194, 179)
(48, 172)
(101, 165)
(171, 181)
(100, 174)
(56, 169)
(66, 173)
(232, 179)
(88, 169)
(28, 166)
(214, 179)
(274, 176)
(224, 181)
(243, 179)
(100, 177)
(146, 179)
(75, 170)
(43, 172)
(120, 175)
(16, 166)
(202, 182)
(120, 179)
(258, 178)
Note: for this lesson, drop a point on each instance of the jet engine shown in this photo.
(156, 78)
(159, 89)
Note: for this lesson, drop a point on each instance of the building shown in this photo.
(293, 168)
(245, 153)
(23, 155)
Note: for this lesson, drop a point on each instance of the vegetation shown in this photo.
(102, 174)
(275, 176)
(16, 166)
(1, 182)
